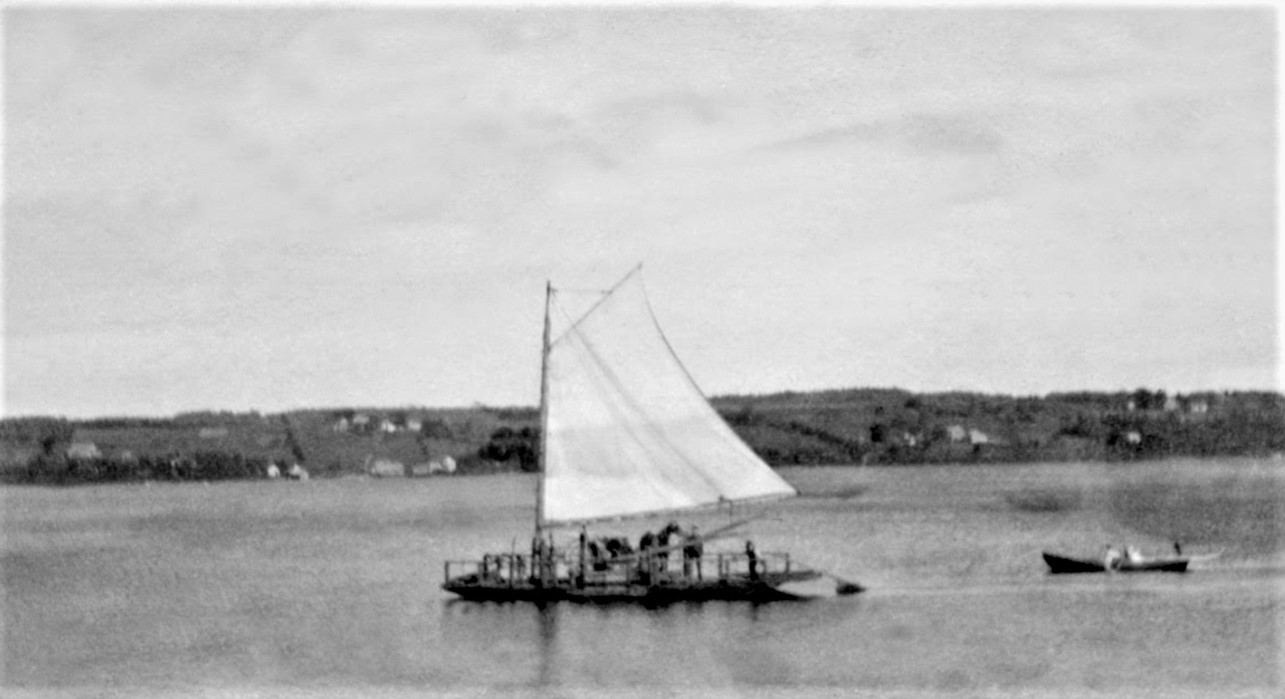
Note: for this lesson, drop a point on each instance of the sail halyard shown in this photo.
(606, 294)
(626, 433)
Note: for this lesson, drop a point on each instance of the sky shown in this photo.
(264, 207)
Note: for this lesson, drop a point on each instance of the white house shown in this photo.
(83, 450)
(385, 468)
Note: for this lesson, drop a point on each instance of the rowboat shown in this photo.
(1068, 564)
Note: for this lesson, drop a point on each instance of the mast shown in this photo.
(544, 413)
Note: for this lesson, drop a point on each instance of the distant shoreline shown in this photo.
(833, 428)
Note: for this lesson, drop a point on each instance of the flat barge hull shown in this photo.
(763, 590)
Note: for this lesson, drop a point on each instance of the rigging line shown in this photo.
(605, 295)
(563, 312)
(586, 292)
(696, 387)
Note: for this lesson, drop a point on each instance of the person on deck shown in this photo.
(539, 560)
(596, 556)
(662, 541)
(584, 554)
(693, 549)
(646, 561)
(752, 556)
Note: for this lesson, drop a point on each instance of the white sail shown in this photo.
(628, 432)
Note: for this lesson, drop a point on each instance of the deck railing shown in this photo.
(517, 569)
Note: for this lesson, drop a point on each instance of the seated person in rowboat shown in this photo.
(1132, 554)
(1112, 559)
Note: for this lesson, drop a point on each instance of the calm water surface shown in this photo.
(331, 588)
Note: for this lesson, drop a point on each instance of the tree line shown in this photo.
(874, 426)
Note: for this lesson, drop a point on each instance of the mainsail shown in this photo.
(627, 432)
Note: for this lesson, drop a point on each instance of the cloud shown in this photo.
(326, 176)
(920, 132)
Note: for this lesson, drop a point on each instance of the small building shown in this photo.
(414, 424)
(443, 465)
(385, 468)
(341, 425)
(83, 450)
(976, 436)
(956, 433)
(387, 425)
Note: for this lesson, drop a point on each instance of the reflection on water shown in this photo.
(623, 645)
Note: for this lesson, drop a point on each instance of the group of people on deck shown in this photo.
(645, 564)
(653, 553)
(653, 549)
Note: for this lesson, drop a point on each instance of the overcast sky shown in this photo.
(271, 208)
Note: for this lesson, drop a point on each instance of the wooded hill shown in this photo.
(852, 426)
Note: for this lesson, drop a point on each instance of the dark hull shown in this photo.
(732, 589)
(1064, 564)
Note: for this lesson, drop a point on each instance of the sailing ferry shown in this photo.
(626, 433)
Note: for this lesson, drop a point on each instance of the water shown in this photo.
(331, 588)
